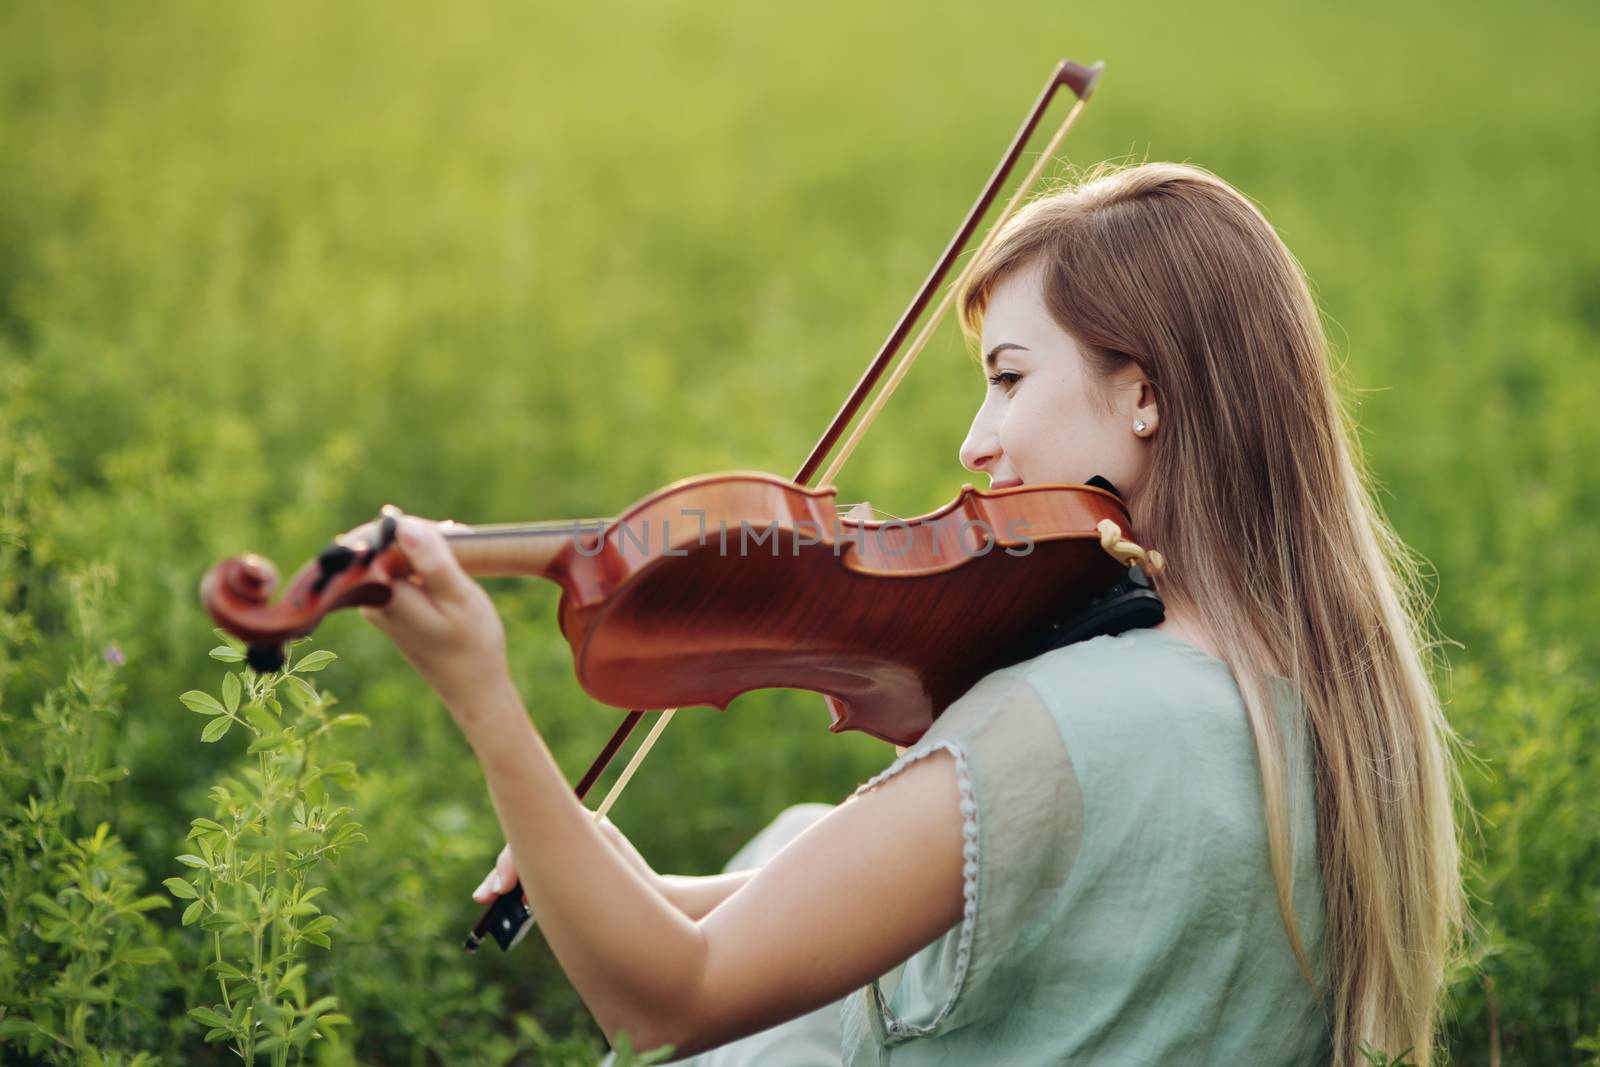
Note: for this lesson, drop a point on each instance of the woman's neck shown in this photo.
(1187, 628)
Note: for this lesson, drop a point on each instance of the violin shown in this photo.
(718, 585)
(721, 584)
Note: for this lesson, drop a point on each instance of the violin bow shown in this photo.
(508, 919)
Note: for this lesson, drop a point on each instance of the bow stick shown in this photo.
(508, 919)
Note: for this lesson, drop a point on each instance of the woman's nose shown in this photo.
(979, 452)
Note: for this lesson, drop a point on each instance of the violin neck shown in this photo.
(518, 550)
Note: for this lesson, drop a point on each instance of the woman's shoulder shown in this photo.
(1136, 667)
(1133, 677)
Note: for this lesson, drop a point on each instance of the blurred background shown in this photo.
(266, 268)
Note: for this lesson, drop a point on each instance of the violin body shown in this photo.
(891, 621)
(718, 585)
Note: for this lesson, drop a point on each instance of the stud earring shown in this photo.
(1138, 426)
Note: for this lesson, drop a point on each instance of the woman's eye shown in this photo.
(1007, 378)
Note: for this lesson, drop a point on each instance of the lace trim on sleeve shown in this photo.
(969, 885)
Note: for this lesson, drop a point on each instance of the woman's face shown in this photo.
(1038, 423)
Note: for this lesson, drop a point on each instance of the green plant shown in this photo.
(79, 956)
(414, 996)
(1590, 1044)
(274, 825)
(102, 949)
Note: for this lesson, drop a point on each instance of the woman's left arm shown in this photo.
(864, 888)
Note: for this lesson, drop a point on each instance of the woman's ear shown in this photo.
(1146, 413)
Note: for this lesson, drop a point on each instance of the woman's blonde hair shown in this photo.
(1258, 498)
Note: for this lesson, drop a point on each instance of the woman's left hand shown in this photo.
(443, 621)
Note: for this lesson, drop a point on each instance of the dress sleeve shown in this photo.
(1022, 822)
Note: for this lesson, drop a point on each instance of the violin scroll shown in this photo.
(238, 591)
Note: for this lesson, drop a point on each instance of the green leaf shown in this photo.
(301, 695)
(268, 741)
(181, 889)
(319, 924)
(207, 824)
(226, 654)
(268, 1044)
(227, 970)
(216, 728)
(324, 1004)
(143, 957)
(17, 1028)
(314, 661)
(189, 860)
(340, 722)
(150, 903)
(261, 717)
(342, 772)
(192, 912)
(202, 703)
(230, 692)
(44, 903)
(211, 1017)
(229, 640)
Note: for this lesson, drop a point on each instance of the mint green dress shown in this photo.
(1119, 902)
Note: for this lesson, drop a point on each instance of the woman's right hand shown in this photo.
(504, 875)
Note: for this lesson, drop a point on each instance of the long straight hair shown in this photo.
(1258, 498)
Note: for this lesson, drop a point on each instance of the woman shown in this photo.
(1228, 839)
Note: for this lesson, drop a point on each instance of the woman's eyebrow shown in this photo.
(989, 360)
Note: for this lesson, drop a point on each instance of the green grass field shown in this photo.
(264, 269)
